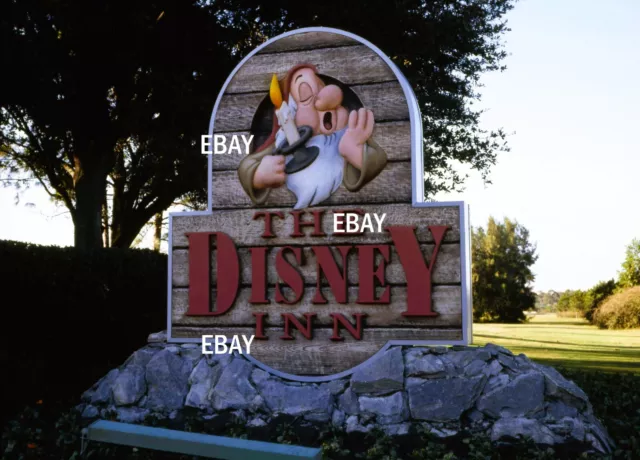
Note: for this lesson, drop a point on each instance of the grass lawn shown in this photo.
(566, 342)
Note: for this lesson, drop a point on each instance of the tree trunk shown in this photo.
(90, 185)
(105, 221)
(157, 236)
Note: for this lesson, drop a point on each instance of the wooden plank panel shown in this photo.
(303, 357)
(348, 64)
(447, 301)
(392, 185)
(308, 40)
(236, 111)
(446, 270)
(394, 137)
(247, 232)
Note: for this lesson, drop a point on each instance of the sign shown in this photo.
(317, 240)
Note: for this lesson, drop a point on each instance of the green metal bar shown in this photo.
(203, 445)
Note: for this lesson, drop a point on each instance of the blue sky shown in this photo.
(570, 96)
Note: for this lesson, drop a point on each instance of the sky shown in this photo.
(569, 99)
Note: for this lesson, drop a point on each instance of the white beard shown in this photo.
(318, 181)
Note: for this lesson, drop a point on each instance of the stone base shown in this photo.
(405, 390)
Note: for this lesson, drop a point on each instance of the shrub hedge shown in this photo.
(619, 311)
(71, 316)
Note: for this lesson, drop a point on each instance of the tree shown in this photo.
(105, 100)
(599, 293)
(547, 300)
(501, 272)
(629, 276)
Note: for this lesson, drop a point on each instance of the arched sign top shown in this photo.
(317, 241)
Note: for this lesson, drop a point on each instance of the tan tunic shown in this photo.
(373, 161)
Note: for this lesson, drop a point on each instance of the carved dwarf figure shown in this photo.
(347, 154)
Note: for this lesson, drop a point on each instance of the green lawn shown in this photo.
(566, 342)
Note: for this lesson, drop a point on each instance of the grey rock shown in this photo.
(424, 365)
(443, 432)
(475, 416)
(442, 399)
(475, 367)
(439, 350)
(397, 429)
(348, 402)
(461, 358)
(498, 381)
(142, 357)
(90, 412)
(570, 427)
(310, 401)
(600, 433)
(233, 390)
(482, 354)
(157, 337)
(132, 414)
(219, 360)
(521, 396)
(167, 379)
(173, 349)
(391, 408)
(129, 386)
(383, 374)
(495, 349)
(519, 427)
(103, 391)
(523, 362)
(353, 426)
(337, 386)
(493, 369)
(202, 380)
(258, 376)
(193, 354)
(560, 387)
(557, 410)
(256, 422)
(239, 416)
(508, 361)
(337, 418)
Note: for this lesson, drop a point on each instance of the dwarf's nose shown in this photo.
(329, 98)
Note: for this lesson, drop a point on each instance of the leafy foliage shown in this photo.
(501, 272)
(630, 273)
(106, 96)
(69, 302)
(620, 311)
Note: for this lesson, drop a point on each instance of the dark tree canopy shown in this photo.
(502, 257)
(119, 92)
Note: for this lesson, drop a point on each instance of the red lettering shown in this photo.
(227, 269)
(327, 264)
(260, 326)
(268, 230)
(316, 223)
(289, 274)
(355, 332)
(416, 270)
(369, 273)
(289, 319)
(258, 275)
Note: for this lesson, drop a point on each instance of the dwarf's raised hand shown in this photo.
(270, 172)
(359, 130)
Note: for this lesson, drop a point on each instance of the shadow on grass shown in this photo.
(634, 350)
(556, 323)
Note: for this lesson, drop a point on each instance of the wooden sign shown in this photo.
(317, 240)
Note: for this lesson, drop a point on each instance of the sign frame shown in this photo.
(417, 161)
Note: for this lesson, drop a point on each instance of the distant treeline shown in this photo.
(611, 304)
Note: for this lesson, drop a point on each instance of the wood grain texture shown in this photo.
(348, 64)
(236, 111)
(394, 138)
(392, 185)
(247, 232)
(446, 270)
(446, 301)
(320, 356)
(308, 40)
